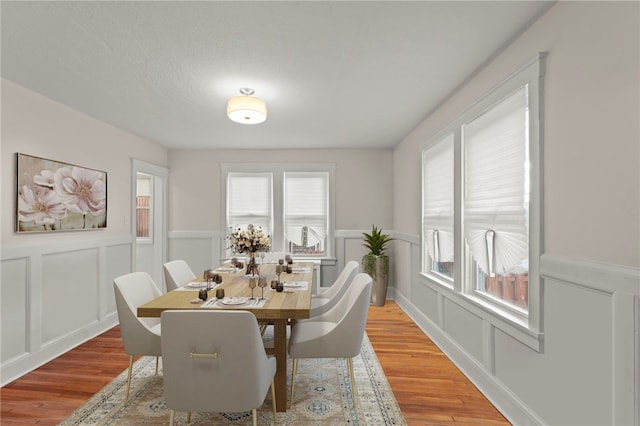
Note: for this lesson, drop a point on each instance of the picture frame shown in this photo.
(54, 196)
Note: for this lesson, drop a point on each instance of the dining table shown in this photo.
(278, 308)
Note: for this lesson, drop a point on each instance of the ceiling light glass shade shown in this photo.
(246, 110)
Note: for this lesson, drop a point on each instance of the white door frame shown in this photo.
(160, 213)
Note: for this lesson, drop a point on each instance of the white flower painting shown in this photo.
(55, 196)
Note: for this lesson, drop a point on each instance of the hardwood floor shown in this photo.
(429, 388)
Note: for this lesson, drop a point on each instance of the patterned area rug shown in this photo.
(323, 397)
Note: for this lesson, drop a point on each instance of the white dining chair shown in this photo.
(338, 333)
(177, 273)
(214, 361)
(322, 302)
(140, 336)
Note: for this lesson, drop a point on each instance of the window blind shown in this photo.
(438, 200)
(249, 200)
(495, 148)
(306, 196)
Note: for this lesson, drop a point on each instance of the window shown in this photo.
(482, 191)
(143, 207)
(291, 202)
(437, 234)
(249, 200)
(496, 200)
(306, 219)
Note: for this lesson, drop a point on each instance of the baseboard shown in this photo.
(28, 362)
(500, 396)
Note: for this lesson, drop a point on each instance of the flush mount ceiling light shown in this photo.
(246, 109)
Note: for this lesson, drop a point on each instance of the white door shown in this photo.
(150, 188)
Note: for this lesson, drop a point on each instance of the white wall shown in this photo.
(587, 370)
(363, 197)
(56, 288)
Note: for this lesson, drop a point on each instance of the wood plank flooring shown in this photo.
(429, 388)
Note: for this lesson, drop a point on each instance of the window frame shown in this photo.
(447, 137)
(278, 170)
(526, 327)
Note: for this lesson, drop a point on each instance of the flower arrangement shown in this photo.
(250, 240)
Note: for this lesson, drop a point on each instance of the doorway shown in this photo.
(150, 208)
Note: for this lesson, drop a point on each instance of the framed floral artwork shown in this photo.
(56, 196)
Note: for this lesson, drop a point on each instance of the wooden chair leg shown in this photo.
(157, 362)
(129, 376)
(254, 413)
(172, 416)
(293, 380)
(189, 418)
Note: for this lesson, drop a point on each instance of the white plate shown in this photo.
(197, 284)
(292, 285)
(234, 301)
(225, 269)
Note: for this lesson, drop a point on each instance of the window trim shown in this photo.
(527, 329)
(278, 170)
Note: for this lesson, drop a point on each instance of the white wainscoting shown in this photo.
(56, 295)
(586, 372)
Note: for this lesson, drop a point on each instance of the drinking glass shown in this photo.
(262, 283)
(252, 285)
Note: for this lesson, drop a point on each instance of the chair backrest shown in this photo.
(132, 290)
(177, 273)
(344, 279)
(327, 300)
(345, 323)
(236, 379)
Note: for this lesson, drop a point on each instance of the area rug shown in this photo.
(323, 397)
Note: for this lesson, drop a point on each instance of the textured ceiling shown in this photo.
(333, 74)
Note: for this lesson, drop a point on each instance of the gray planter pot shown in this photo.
(378, 268)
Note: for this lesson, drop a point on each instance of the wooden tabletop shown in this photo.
(293, 304)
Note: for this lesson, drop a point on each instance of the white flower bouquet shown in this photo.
(250, 240)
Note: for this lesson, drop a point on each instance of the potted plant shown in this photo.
(376, 264)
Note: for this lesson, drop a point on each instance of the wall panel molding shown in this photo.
(99, 311)
(618, 284)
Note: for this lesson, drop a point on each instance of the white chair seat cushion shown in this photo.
(309, 340)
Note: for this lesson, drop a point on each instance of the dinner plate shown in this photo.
(226, 269)
(197, 284)
(234, 301)
(292, 285)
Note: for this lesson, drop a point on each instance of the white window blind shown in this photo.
(249, 200)
(306, 217)
(496, 194)
(438, 175)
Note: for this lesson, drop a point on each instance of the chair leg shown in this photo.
(172, 415)
(293, 380)
(157, 362)
(254, 412)
(129, 376)
(352, 377)
(189, 417)
(273, 399)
